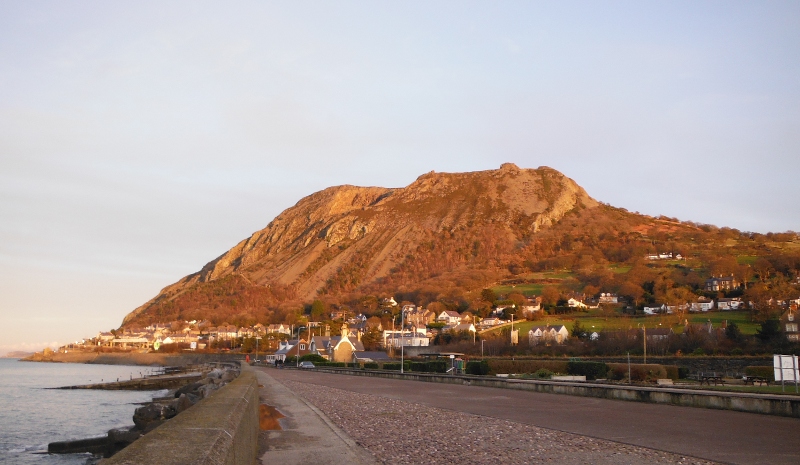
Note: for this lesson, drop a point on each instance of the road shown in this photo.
(718, 435)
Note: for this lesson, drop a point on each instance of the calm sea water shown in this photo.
(32, 416)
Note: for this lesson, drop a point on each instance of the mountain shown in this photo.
(345, 238)
(447, 236)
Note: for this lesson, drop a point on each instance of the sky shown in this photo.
(140, 140)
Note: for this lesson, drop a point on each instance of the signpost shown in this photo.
(786, 368)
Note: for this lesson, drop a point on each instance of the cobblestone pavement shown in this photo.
(407, 433)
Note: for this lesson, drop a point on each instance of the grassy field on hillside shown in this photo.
(600, 323)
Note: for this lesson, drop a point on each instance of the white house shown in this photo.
(558, 334)
(728, 304)
(702, 305)
(449, 317)
(406, 338)
(608, 298)
(489, 322)
(574, 303)
(465, 327)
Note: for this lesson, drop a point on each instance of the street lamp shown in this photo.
(402, 345)
(644, 341)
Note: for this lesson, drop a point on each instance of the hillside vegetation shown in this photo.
(447, 236)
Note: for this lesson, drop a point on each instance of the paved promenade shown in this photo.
(306, 436)
(716, 435)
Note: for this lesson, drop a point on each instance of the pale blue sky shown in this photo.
(139, 142)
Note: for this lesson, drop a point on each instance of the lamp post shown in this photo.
(402, 329)
(644, 341)
(298, 345)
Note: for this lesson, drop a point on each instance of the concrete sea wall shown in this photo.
(219, 430)
(135, 358)
(769, 404)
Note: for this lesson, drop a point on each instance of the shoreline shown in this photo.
(132, 358)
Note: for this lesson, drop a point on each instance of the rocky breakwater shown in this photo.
(152, 415)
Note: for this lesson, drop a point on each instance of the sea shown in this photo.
(31, 415)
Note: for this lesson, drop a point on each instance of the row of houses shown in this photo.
(346, 347)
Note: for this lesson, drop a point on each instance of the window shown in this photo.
(791, 327)
(302, 347)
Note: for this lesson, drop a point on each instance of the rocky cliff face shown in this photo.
(345, 238)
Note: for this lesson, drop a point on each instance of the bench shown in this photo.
(752, 380)
(711, 379)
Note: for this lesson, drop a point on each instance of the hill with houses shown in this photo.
(490, 247)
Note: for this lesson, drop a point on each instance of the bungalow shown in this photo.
(728, 304)
(653, 310)
(703, 304)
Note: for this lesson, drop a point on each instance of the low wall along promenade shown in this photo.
(220, 429)
(769, 404)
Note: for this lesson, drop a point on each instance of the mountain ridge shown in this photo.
(345, 238)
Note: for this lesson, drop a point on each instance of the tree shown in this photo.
(633, 291)
(317, 310)
(770, 331)
(488, 295)
(372, 339)
(764, 268)
(733, 332)
(577, 330)
(550, 295)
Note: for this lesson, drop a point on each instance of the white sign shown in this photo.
(193, 345)
(786, 368)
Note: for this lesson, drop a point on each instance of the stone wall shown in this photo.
(769, 404)
(724, 366)
(219, 430)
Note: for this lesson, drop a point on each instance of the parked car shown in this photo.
(306, 365)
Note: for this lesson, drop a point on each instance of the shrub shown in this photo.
(639, 371)
(477, 368)
(673, 372)
(431, 366)
(330, 364)
(526, 366)
(396, 366)
(543, 373)
(314, 358)
(371, 366)
(592, 370)
(764, 372)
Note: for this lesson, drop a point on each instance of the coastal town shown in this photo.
(344, 337)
